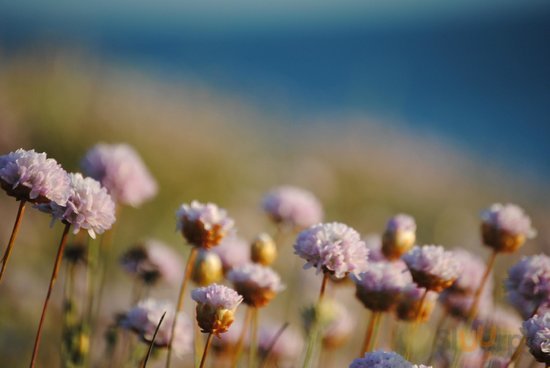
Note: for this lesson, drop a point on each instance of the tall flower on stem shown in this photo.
(203, 226)
(258, 285)
(88, 207)
(335, 250)
(504, 229)
(31, 177)
(379, 288)
(216, 305)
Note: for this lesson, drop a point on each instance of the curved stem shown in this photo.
(150, 349)
(179, 305)
(323, 287)
(15, 230)
(267, 355)
(55, 271)
(208, 341)
(473, 309)
(370, 336)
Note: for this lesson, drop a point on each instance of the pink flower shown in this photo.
(203, 225)
(293, 206)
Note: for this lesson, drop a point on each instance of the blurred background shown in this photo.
(432, 108)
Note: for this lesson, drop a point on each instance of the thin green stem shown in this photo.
(14, 232)
(179, 305)
(55, 272)
(205, 353)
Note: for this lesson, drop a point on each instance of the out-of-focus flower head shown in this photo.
(287, 348)
(263, 250)
(233, 251)
(334, 320)
(203, 225)
(472, 269)
(293, 207)
(382, 359)
(33, 177)
(505, 227)
(120, 169)
(256, 283)
(380, 285)
(89, 206)
(208, 268)
(153, 261)
(228, 341)
(399, 236)
(458, 304)
(432, 267)
(144, 318)
(373, 243)
(497, 328)
(216, 305)
(537, 333)
(334, 248)
(409, 300)
(528, 284)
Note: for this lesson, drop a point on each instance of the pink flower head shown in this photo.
(432, 267)
(528, 284)
(537, 333)
(152, 261)
(381, 359)
(472, 269)
(31, 176)
(506, 227)
(120, 169)
(233, 251)
(379, 286)
(332, 247)
(144, 318)
(216, 305)
(203, 225)
(293, 206)
(256, 283)
(89, 206)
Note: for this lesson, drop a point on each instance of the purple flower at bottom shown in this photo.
(31, 176)
(537, 333)
(120, 169)
(334, 248)
(89, 206)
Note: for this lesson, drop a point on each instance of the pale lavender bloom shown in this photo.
(120, 169)
(144, 318)
(432, 267)
(381, 359)
(31, 176)
(153, 260)
(528, 283)
(334, 248)
(256, 283)
(233, 251)
(89, 206)
(287, 347)
(217, 297)
(537, 333)
(472, 269)
(293, 206)
(203, 225)
(510, 218)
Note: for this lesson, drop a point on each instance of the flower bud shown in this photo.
(216, 305)
(208, 269)
(399, 236)
(263, 250)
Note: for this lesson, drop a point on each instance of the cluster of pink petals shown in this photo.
(528, 284)
(383, 277)
(158, 258)
(432, 260)
(88, 207)
(233, 251)
(217, 297)
(120, 169)
(43, 178)
(332, 247)
(537, 333)
(293, 206)
(144, 318)
(510, 218)
(209, 215)
(256, 275)
(383, 359)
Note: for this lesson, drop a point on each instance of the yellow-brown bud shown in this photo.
(207, 269)
(397, 243)
(214, 320)
(263, 250)
(501, 240)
